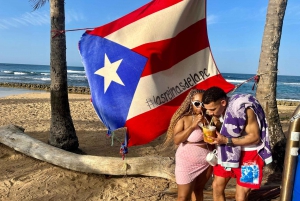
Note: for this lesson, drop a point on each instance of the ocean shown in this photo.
(288, 87)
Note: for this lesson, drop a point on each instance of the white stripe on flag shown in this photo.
(157, 84)
(166, 23)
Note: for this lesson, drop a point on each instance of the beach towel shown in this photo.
(233, 126)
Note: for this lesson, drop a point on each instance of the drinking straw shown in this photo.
(206, 119)
(211, 121)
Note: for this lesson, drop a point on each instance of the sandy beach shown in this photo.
(25, 178)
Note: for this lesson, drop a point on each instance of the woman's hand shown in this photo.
(185, 127)
(197, 119)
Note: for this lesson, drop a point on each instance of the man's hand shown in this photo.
(219, 139)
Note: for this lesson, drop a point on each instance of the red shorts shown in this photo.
(250, 172)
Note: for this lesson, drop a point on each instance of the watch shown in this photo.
(229, 142)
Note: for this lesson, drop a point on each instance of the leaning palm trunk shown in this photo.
(267, 70)
(157, 166)
(62, 131)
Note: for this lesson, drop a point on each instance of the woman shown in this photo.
(191, 169)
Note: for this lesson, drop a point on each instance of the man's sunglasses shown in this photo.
(198, 104)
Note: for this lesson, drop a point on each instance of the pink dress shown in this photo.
(190, 159)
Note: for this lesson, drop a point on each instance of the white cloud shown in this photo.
(2, 25)
(211, 19)
(8, 23)
(73, 15)
(20, 21)
(37, 18)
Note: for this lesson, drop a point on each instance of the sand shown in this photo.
(25, 178)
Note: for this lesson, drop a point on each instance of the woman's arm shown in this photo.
(184, 128)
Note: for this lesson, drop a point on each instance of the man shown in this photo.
(243, 142)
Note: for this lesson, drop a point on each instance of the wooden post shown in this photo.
(290, 159)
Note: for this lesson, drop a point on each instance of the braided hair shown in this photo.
(185, 109)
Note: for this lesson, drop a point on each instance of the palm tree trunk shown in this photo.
(267, 70)
(62, 131)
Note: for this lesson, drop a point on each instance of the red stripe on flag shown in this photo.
(144, 11)
(162, 55)
(217, 81)
(155, 122)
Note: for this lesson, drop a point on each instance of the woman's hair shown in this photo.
(186, 108)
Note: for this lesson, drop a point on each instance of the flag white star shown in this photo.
(109, 72)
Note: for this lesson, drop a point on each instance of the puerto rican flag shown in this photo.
(141, 66)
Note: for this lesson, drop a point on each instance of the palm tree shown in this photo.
(62, 130)
(267, 71)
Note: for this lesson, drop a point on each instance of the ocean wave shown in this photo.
(74, 71)
(235, 81)
(8, 72)
(77, 76)
(20, 73)
(6, 77)
(286, 83)
(278, 83)
(42, 78)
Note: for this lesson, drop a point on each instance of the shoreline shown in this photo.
(43, 87)
(5, 91)
(86, 90)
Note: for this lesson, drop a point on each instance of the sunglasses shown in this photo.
(197, 103)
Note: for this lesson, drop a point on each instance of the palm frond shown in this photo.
(36, 4)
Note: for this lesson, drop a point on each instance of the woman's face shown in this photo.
(197, 104)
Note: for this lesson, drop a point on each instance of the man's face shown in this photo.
(216, 108)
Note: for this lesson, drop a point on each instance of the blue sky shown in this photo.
(235, 30)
